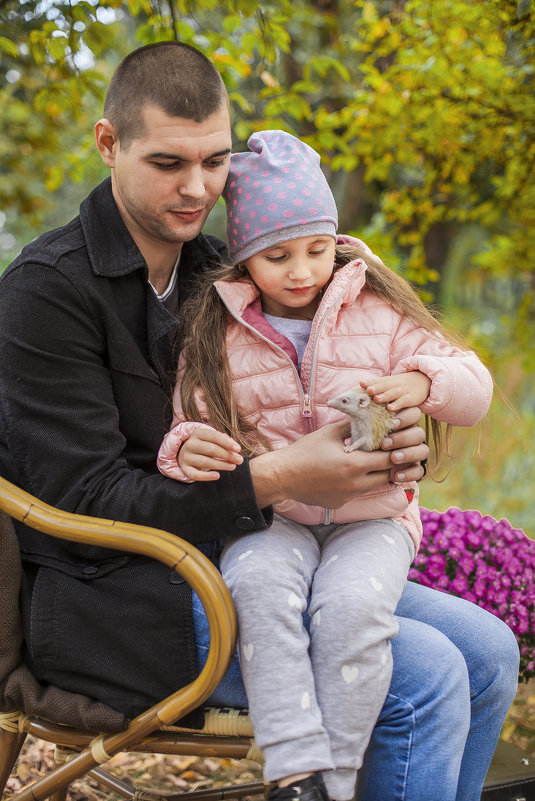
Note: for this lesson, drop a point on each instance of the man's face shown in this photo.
(167, 181)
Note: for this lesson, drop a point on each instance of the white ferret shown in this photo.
(370, 421)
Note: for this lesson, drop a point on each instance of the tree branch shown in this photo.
(172, 9)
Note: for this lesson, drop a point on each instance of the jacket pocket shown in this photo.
(123, 636)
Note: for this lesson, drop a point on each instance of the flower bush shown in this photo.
(485, 561)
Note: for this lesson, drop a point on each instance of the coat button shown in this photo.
(90, 570)
(244, 523)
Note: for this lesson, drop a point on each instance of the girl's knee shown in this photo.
(357, 606)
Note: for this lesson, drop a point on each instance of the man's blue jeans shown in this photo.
(455, 676)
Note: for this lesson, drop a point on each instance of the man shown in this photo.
(88, 324)
(89, 318)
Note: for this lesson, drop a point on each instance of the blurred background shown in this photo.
(424, 114)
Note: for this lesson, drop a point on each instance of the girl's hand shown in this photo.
(399, 391)
(206, 452)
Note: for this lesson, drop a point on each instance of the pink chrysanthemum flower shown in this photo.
(487, 562)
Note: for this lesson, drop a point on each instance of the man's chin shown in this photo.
(187, 231)
(175, 237)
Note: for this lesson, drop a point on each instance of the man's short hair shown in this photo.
(178, 78)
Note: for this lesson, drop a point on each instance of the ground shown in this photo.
(146, 771)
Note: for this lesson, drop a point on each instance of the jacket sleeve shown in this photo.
(461, 385)
(167, 460)
(63, 421)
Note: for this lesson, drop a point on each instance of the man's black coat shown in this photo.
(87, 367)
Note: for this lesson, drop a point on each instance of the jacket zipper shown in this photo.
(307, 413)
(306, 406)
(327, 513)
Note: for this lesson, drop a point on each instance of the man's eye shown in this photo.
(167, 166)
(218, 163)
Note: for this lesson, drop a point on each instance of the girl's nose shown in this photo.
(299, 270)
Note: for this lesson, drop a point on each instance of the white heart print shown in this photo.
(316, 618)
(332, 559)
(376, 584)
(248, 651)
(245, 555)
(349, 673)
(305, 701)
(298, 553)
(293, 600)
(391, 540)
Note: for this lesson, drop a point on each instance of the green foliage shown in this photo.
(50, 88)
(429, 108)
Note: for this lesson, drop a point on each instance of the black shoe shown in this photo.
(310, 789)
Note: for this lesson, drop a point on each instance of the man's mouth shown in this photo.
(187, 215)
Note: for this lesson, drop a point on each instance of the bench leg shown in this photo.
(10, 746)
(59, 795)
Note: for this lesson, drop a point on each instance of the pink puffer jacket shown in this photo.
(354, 335)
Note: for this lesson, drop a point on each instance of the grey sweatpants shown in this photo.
(314, 696)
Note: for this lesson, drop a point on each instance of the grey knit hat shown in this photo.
(276, 192)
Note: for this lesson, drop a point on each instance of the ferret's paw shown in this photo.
(353, 447)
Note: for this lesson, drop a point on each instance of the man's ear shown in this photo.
(107, 141)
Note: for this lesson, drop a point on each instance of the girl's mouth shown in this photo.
(301, 290)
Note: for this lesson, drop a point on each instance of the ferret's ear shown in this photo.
(364, 401)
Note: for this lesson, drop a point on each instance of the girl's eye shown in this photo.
(275, 258)
(317, 252)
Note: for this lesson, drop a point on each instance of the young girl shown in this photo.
(302, 316)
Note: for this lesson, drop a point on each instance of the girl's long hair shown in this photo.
(205, 321)
(203, 330)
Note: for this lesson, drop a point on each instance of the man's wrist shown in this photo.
(267, 479)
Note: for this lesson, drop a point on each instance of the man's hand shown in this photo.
(316, 470)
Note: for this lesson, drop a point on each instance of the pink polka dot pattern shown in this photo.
(288, 198)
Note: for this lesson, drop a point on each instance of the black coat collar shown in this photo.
(112, 251)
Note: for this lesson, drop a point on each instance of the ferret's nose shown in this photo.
(335, 403)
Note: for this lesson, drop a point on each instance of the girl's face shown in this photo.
(291, 275)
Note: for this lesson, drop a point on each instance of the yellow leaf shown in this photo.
(380, 28)
(507, 731)
(369, 13)
(53, 109)
(269, 79)
(54, 178)
(8, 47)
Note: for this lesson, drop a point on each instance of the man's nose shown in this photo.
(192, 183)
